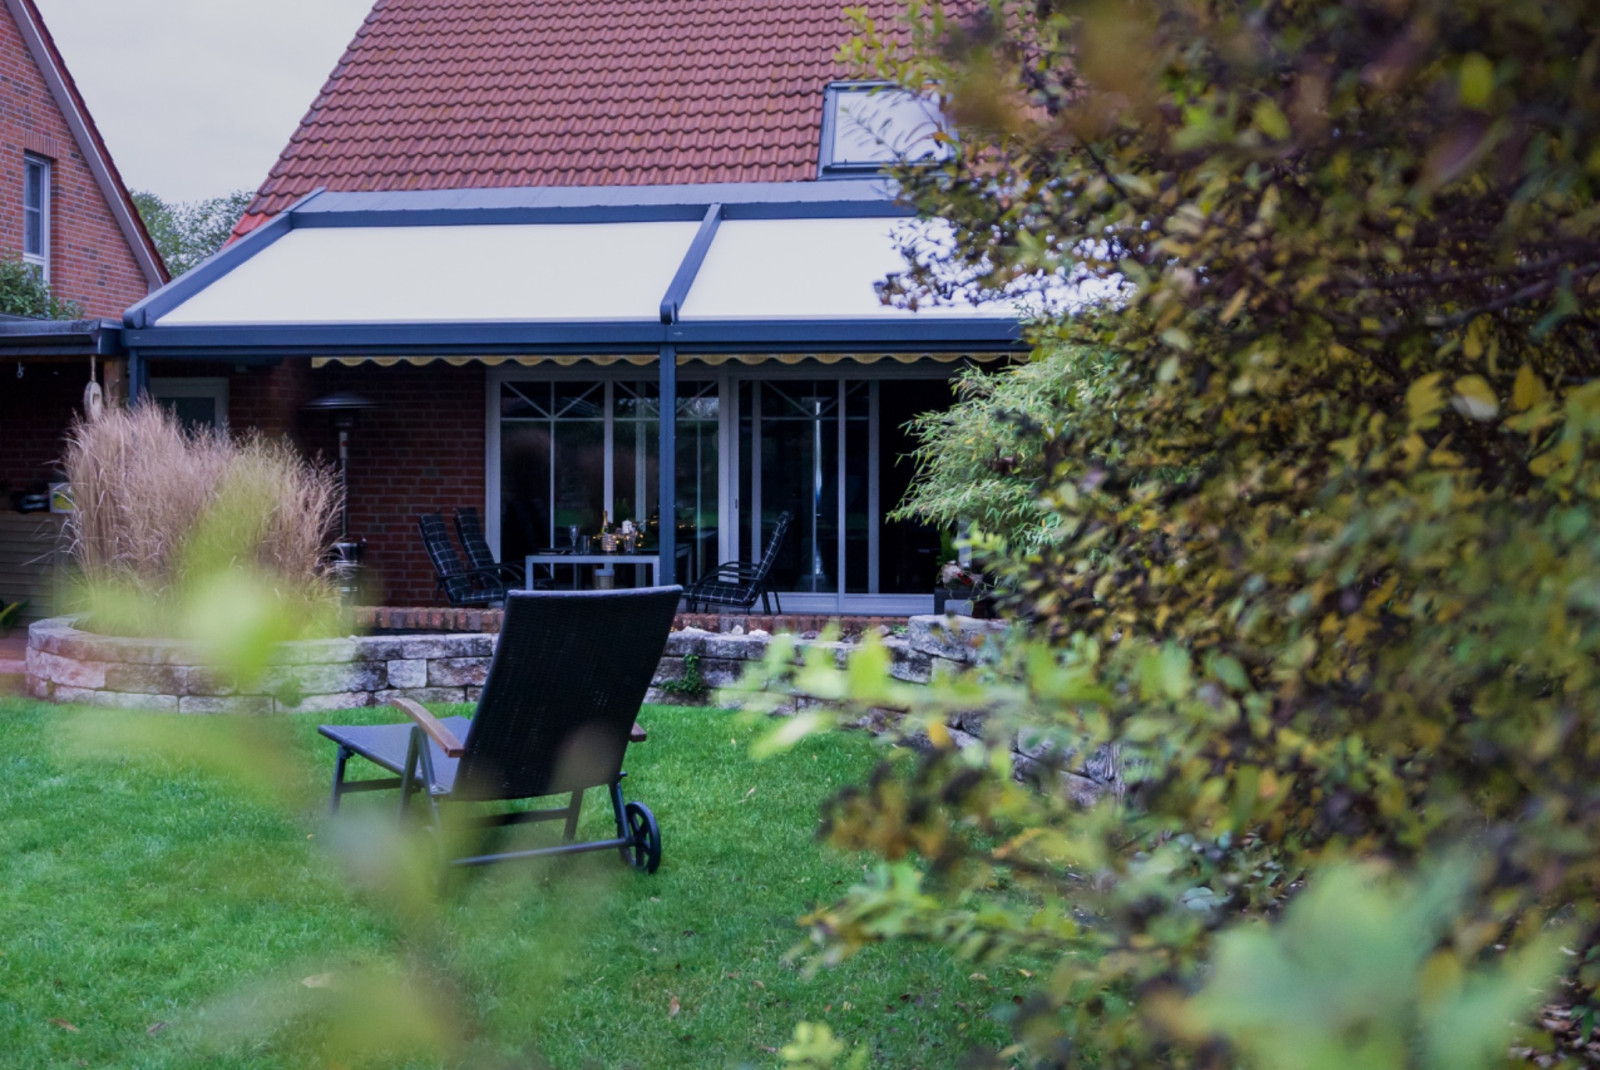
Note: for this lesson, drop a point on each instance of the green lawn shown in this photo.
(171, 885)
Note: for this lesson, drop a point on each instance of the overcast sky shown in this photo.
(196, 98)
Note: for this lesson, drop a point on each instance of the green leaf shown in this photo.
(1476, 81)
(1270, 120)
(1475, 398)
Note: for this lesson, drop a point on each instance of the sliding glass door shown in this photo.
(573, 452)
(832, 450)
(834, 454)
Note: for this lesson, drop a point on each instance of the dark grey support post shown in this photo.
(667, 569)
(138, 379)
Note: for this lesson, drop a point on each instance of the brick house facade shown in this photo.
(99, 255)
(608, 95)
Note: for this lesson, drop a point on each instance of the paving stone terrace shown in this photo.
(66, 664)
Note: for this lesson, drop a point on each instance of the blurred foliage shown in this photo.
(1358, 249)
(187, 232)
(23, 292)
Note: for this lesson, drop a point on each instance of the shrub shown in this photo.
(980, 462)
(163, 515)
(23, 292)
(1322, 552)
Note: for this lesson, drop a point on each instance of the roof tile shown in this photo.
(444, 94)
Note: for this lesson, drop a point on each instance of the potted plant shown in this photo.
(958, 583)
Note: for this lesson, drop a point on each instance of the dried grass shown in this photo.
(159, 509)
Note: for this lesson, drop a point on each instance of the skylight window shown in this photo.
(869, 125)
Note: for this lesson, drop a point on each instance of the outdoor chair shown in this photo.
(558, 710)
(470, 528)
(462, 585)
(737, 584)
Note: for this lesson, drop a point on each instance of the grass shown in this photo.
(169, 903)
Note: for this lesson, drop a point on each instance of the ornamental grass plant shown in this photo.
(170, 520)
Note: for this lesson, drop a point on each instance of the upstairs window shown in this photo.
(36, 213)
(867, 126)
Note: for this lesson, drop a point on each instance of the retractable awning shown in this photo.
(719, 272)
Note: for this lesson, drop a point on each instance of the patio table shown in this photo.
(651, 560)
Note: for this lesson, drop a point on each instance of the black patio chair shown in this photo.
(558, 710)
(462, 585)
(737, 584)
(469, 527)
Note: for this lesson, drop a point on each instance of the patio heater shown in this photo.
(347, 552)
(818, 579)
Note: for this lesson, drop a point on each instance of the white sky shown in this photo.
(196, 98)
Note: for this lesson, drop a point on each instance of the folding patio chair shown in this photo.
(569, 673)
(737, 584)
(461, 584)
(470, 529)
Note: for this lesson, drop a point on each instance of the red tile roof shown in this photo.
(455, 94)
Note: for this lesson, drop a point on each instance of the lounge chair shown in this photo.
(470, 529)
(738, 584)
(461, 584)
(558, 710)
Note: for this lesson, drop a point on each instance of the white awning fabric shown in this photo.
(755, 269)
(603, 272)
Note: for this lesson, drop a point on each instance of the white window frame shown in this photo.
(40, 259)
(215, 388)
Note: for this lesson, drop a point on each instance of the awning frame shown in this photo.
(711, 204)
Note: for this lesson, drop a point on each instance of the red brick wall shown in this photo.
(420, 450)
(90, 261)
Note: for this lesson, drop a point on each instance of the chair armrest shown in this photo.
(430, 724)
(636, 734)
(739, 568)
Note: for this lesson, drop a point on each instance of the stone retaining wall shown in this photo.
(720, 657)
(65, 664)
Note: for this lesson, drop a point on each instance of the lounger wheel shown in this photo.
(644, 848)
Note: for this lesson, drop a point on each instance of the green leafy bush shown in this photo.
(23, 292)
(981, 461)
(1322, 549)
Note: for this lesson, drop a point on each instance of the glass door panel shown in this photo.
(552, 463)
(797, 430)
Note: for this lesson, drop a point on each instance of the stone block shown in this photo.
(208, 683)
(427, 647)
(907, 663)
(718, 673)
(241, 704)
(681, 644)
(474, 694)
(458, 672)
(146, 679)
(117, 700)
(339, 700)
(67, 672)
(39, 687)
(426, 695)
(412, 672)
(668, 670)
(326, 679)
(959, 639)
(736, 647)
(315, 652)
(969, 721)
(838, 651)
